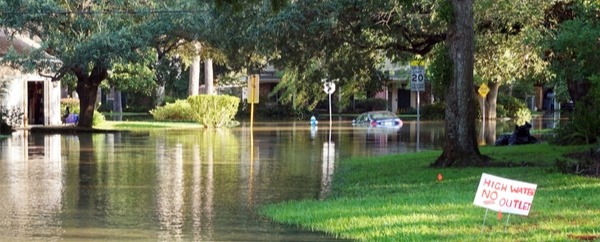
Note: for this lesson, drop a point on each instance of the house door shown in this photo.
(35, 102)
(403, 99)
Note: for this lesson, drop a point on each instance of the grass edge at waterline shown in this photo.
(399, 198)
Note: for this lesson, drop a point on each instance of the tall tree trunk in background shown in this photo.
(491, 101)
(208, 77)
(160, 94)
(87, 89)
(194, 82)
(460, 148)
(117, 105)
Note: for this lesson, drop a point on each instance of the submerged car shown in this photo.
(378, 119)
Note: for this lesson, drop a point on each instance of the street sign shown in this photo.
(329, 87)
(483, 90)
(417, 76)
(253, 92)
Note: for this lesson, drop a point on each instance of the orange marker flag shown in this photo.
(440, 176)
(499, 214)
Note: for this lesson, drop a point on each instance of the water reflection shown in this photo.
(185, 185)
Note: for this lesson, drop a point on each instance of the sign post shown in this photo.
(417, 84)
(483, 91)
(329, 88)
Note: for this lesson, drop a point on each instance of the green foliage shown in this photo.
(570, 43)
(515, 108)
(180, 110)
(371, 104)
(440, 72)
(583, 126)
(213, 111)
(445, 11)
(98, 118)
(518, 89)
(434, 111)
(501, 111)
(71, 103)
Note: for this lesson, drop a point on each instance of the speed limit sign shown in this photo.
(417, 76)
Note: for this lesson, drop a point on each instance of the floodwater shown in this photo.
(190, 185)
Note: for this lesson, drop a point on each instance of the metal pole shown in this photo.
(483, 104)
(484, 217)
(506, 226)
(418, 119)
(330, 111)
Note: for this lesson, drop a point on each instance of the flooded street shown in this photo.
(189, 185)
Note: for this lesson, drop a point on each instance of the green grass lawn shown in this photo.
(399, 198)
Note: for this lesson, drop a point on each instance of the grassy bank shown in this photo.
(398, 198)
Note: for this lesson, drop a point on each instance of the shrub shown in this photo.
(434, 111)
(71, 103)
(180, 110)
(213, 111)
(98, 118)
(583, 126)
(514, 107)
(501, 111)
(371, 104)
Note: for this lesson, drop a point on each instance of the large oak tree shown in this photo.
(346, 40)
(89, 40)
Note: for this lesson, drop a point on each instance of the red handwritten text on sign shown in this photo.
(501, 194)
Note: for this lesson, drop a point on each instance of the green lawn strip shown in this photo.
(398, 198)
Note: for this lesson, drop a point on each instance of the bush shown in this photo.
(434, 111)
(583, 126)
(180, 110)
(371, 104)
(98, 118)
(501, 111)
(514, 107)
(213, 111)
(71, 103)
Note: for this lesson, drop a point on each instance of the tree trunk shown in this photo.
(491, 101)
(87, 89)
(117, 106)
(160, 94)
(461, 147)
(208, 77)
(194, 81)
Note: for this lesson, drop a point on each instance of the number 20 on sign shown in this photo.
(417, 73)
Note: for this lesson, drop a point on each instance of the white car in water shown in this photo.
(378, 119)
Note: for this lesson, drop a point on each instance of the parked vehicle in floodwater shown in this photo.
(378, 119)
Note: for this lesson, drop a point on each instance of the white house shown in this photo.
(38, 97)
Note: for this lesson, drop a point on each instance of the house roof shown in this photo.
(20, 43)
